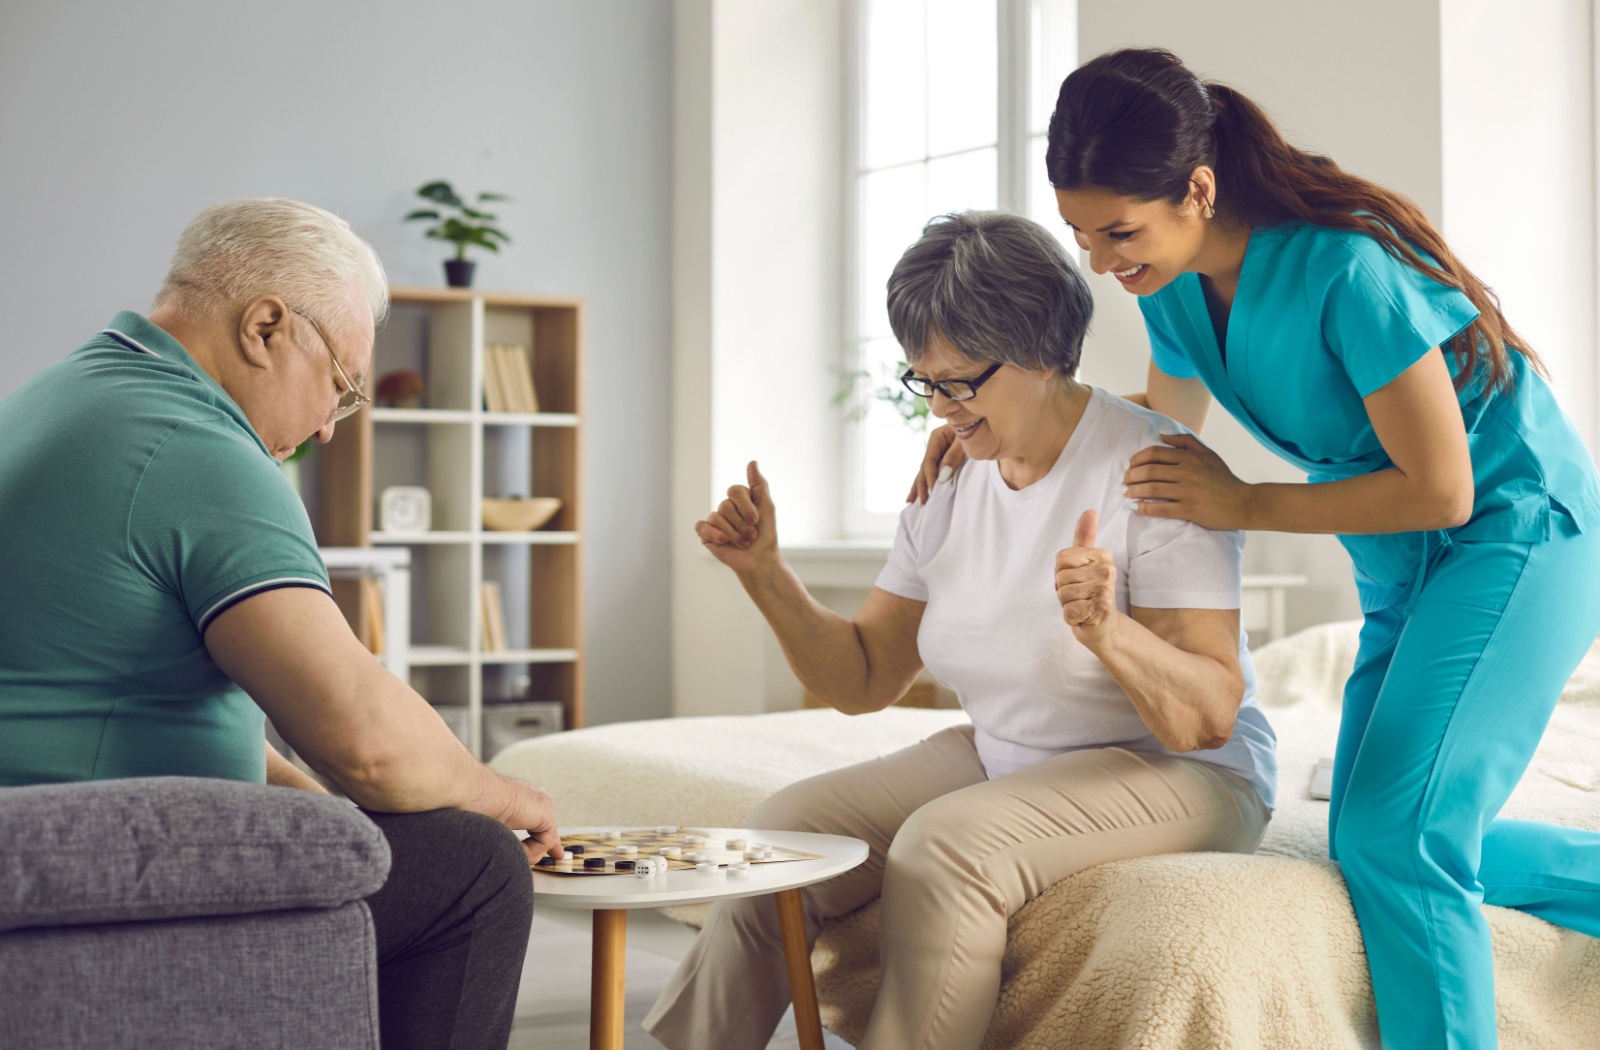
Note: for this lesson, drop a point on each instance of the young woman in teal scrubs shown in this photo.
(1328, 316)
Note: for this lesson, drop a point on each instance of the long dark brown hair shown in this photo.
(1137, 122)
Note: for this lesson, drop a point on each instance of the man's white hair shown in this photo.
(238, 250)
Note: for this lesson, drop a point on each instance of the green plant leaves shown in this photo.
(481, 238)
(470, 226)
(442, 192)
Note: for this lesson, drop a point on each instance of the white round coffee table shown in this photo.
(611, 897)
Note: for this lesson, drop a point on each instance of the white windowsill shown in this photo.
(838, 563)
(824, 550)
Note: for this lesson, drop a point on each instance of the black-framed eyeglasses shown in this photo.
(954, 389)
(351, 399)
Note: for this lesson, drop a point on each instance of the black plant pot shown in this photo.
(458, 272)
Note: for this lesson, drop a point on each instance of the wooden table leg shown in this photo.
(797, 957)
(606, 980)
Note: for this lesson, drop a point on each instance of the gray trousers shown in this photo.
(452, 929)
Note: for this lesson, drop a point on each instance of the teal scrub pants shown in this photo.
(1451, 691)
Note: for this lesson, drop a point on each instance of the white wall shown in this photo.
(757, 291)
(1519, 186)
(119, 121)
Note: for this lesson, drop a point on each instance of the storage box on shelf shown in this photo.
(463, 453)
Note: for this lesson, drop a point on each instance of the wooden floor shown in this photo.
(553, 1005)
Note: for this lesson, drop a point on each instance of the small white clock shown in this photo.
(405, 509)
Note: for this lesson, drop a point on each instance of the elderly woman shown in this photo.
(1097, 651)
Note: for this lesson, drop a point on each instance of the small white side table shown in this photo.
(611, 897)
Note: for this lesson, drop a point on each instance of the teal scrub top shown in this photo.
(136, 505)
(1321, 319)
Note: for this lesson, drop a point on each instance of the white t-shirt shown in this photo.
(982, 556)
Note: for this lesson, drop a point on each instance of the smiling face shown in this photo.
(997, 423)
(1143, 244)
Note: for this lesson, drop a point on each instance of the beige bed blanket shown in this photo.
(1185, 951)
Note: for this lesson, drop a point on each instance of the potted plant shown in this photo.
(467, 225)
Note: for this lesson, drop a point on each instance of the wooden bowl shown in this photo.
(519, 515)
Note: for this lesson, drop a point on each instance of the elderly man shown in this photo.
(161, 588)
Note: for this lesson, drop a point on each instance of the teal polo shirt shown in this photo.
(136, 504)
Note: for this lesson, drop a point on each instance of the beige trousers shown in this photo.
(954, 855)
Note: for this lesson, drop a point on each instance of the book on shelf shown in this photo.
(509, 389)
(508, 379)
(521, 368)
(494, 386)
(494, 619)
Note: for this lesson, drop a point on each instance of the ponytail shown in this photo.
(1263, 180)
(1137, 122)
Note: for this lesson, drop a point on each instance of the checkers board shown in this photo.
(680, 848)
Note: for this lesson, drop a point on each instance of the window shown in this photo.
(950, 102)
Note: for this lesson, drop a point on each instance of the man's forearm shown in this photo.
(422, 766)
(822, 647)
(419, 765)
(390, 752)
(364, 730)
(416, 764)
(1188, 701)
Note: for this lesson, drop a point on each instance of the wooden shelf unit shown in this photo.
(461, 453)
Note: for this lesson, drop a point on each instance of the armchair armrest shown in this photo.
(178, 847)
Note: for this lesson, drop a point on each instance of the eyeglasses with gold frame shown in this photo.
(351, 399)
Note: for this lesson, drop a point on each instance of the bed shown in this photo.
(1161, 953)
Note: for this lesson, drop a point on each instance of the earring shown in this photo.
(1208, 211)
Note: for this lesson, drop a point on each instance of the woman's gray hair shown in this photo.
(997, 286)
(238, 250)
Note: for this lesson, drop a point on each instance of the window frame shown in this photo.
(1015, 46)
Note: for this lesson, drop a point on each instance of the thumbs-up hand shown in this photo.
(1088, 525)
(742, 532)
(1086, 584)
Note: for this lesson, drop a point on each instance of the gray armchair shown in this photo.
(179, 912)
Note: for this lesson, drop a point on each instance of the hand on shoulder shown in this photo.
(943, 452)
